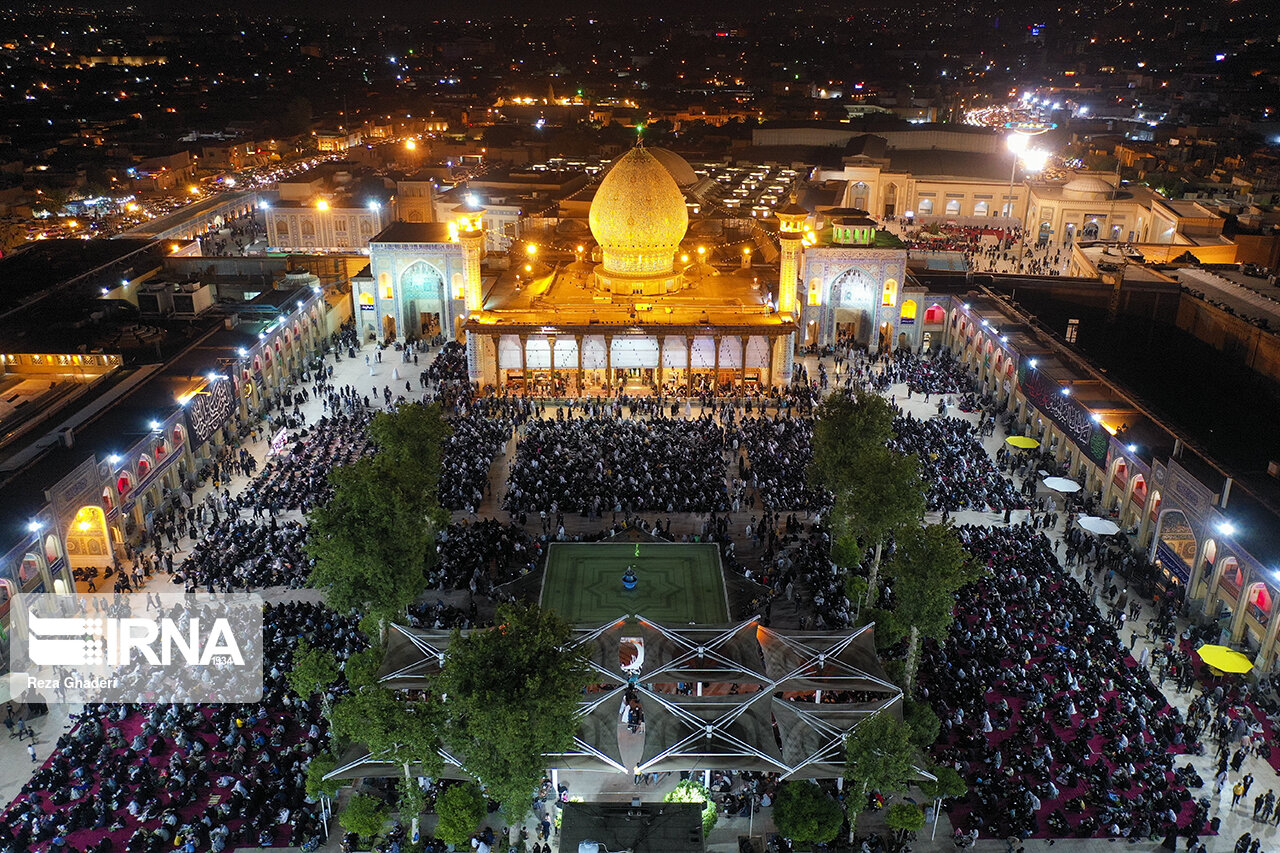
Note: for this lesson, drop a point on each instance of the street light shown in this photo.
(1226, 528)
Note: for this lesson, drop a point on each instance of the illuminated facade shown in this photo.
(649, 294)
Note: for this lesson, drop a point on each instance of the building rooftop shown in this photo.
(413, 232)
(566, 295)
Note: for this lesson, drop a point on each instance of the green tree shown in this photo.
(950, 784)
(412, 801)
(372, 543)
(410, 441)
(929, 564)
(904, 818)
(364, 815)
(461, 808)
(690, 791)
(361, 668)
(313, 670)
(317, 787)
(847, 426)
(883, 496)
(807, 814)
(875, 490)
(879, 756)
(922, 721)
(403, 730)
(370, 547)
(513, 696)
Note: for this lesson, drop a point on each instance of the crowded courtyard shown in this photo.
(1074, 709)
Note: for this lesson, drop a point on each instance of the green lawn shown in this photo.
(678, 583)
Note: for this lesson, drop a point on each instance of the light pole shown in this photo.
(1017, 143)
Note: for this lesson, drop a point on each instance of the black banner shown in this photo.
(209, 410)
(1068, 414)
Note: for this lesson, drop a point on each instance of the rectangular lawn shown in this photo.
(678, 583)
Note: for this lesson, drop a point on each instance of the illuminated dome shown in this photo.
(679, 168)
(1088, 187)
(638, 216)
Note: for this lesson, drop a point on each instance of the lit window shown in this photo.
(890, 293)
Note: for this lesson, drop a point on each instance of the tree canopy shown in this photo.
(879, 756)
(847, 426)
(512, 695)
(461, 809)
(807, 814)
(928, 565)
(691, 791)
(875, 490)
(364, 815)
(373, 542)
(403, 730)
(313, 669)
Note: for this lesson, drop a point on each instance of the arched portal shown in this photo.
(30, 575)
(852, 301)
(1176, 547)
(1230, 578)
(1260, 602)
(88, 543)
(421, 299)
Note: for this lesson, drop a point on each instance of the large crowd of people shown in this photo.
(481, 555)
(1056, 729)
(957, 470)
(466, 457)
(247, 554)
(159, 778)
(611, 464)
(778, 452)
(297, 478)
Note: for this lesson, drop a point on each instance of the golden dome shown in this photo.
(638, 216)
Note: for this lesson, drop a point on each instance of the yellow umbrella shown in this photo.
(1224, 659)
(1022, 441)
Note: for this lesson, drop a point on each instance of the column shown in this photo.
(688, 364)
(1242, 606)
(580, 382)
(715, 371)
(524, 363)
(662, 355)
(742, 368)
(551, 340)
(768, 370)
(1263, 661)
(608, 365)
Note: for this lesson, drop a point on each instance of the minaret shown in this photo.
(791, 221)
(469, 221)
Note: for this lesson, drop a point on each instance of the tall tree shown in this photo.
(396, 728)
(410, 442)
(807, 814)
(879, 756)
(513, 694)
(883, 496)
(846, 426)
(928, 565)
(372, 543)
(874, 490)
(370, 548)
